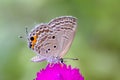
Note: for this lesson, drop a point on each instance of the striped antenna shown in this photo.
(26, 30)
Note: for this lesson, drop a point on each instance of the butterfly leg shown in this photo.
(38, 59)
(61, 60)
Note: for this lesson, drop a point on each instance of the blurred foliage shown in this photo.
(96, 44)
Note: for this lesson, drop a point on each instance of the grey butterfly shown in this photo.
(51, 41)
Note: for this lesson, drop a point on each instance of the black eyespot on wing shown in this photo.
(53, 37)
(54, 46)
(31, 38)
(46, 51)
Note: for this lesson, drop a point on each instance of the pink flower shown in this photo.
(59, 71)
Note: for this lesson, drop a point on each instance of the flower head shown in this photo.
(59, 71)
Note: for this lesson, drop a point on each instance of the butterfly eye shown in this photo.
(32, 38)
(53, 37)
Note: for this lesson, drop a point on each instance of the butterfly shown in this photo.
(51, 41)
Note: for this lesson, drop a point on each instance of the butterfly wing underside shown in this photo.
(65, 28)
(53, 39)
(47, 43)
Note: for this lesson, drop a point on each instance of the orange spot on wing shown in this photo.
(34, 41)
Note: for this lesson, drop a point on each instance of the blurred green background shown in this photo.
(96, 44)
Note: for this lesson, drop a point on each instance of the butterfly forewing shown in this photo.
(64, 28)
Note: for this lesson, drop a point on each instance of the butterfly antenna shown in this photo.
(26, 30)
